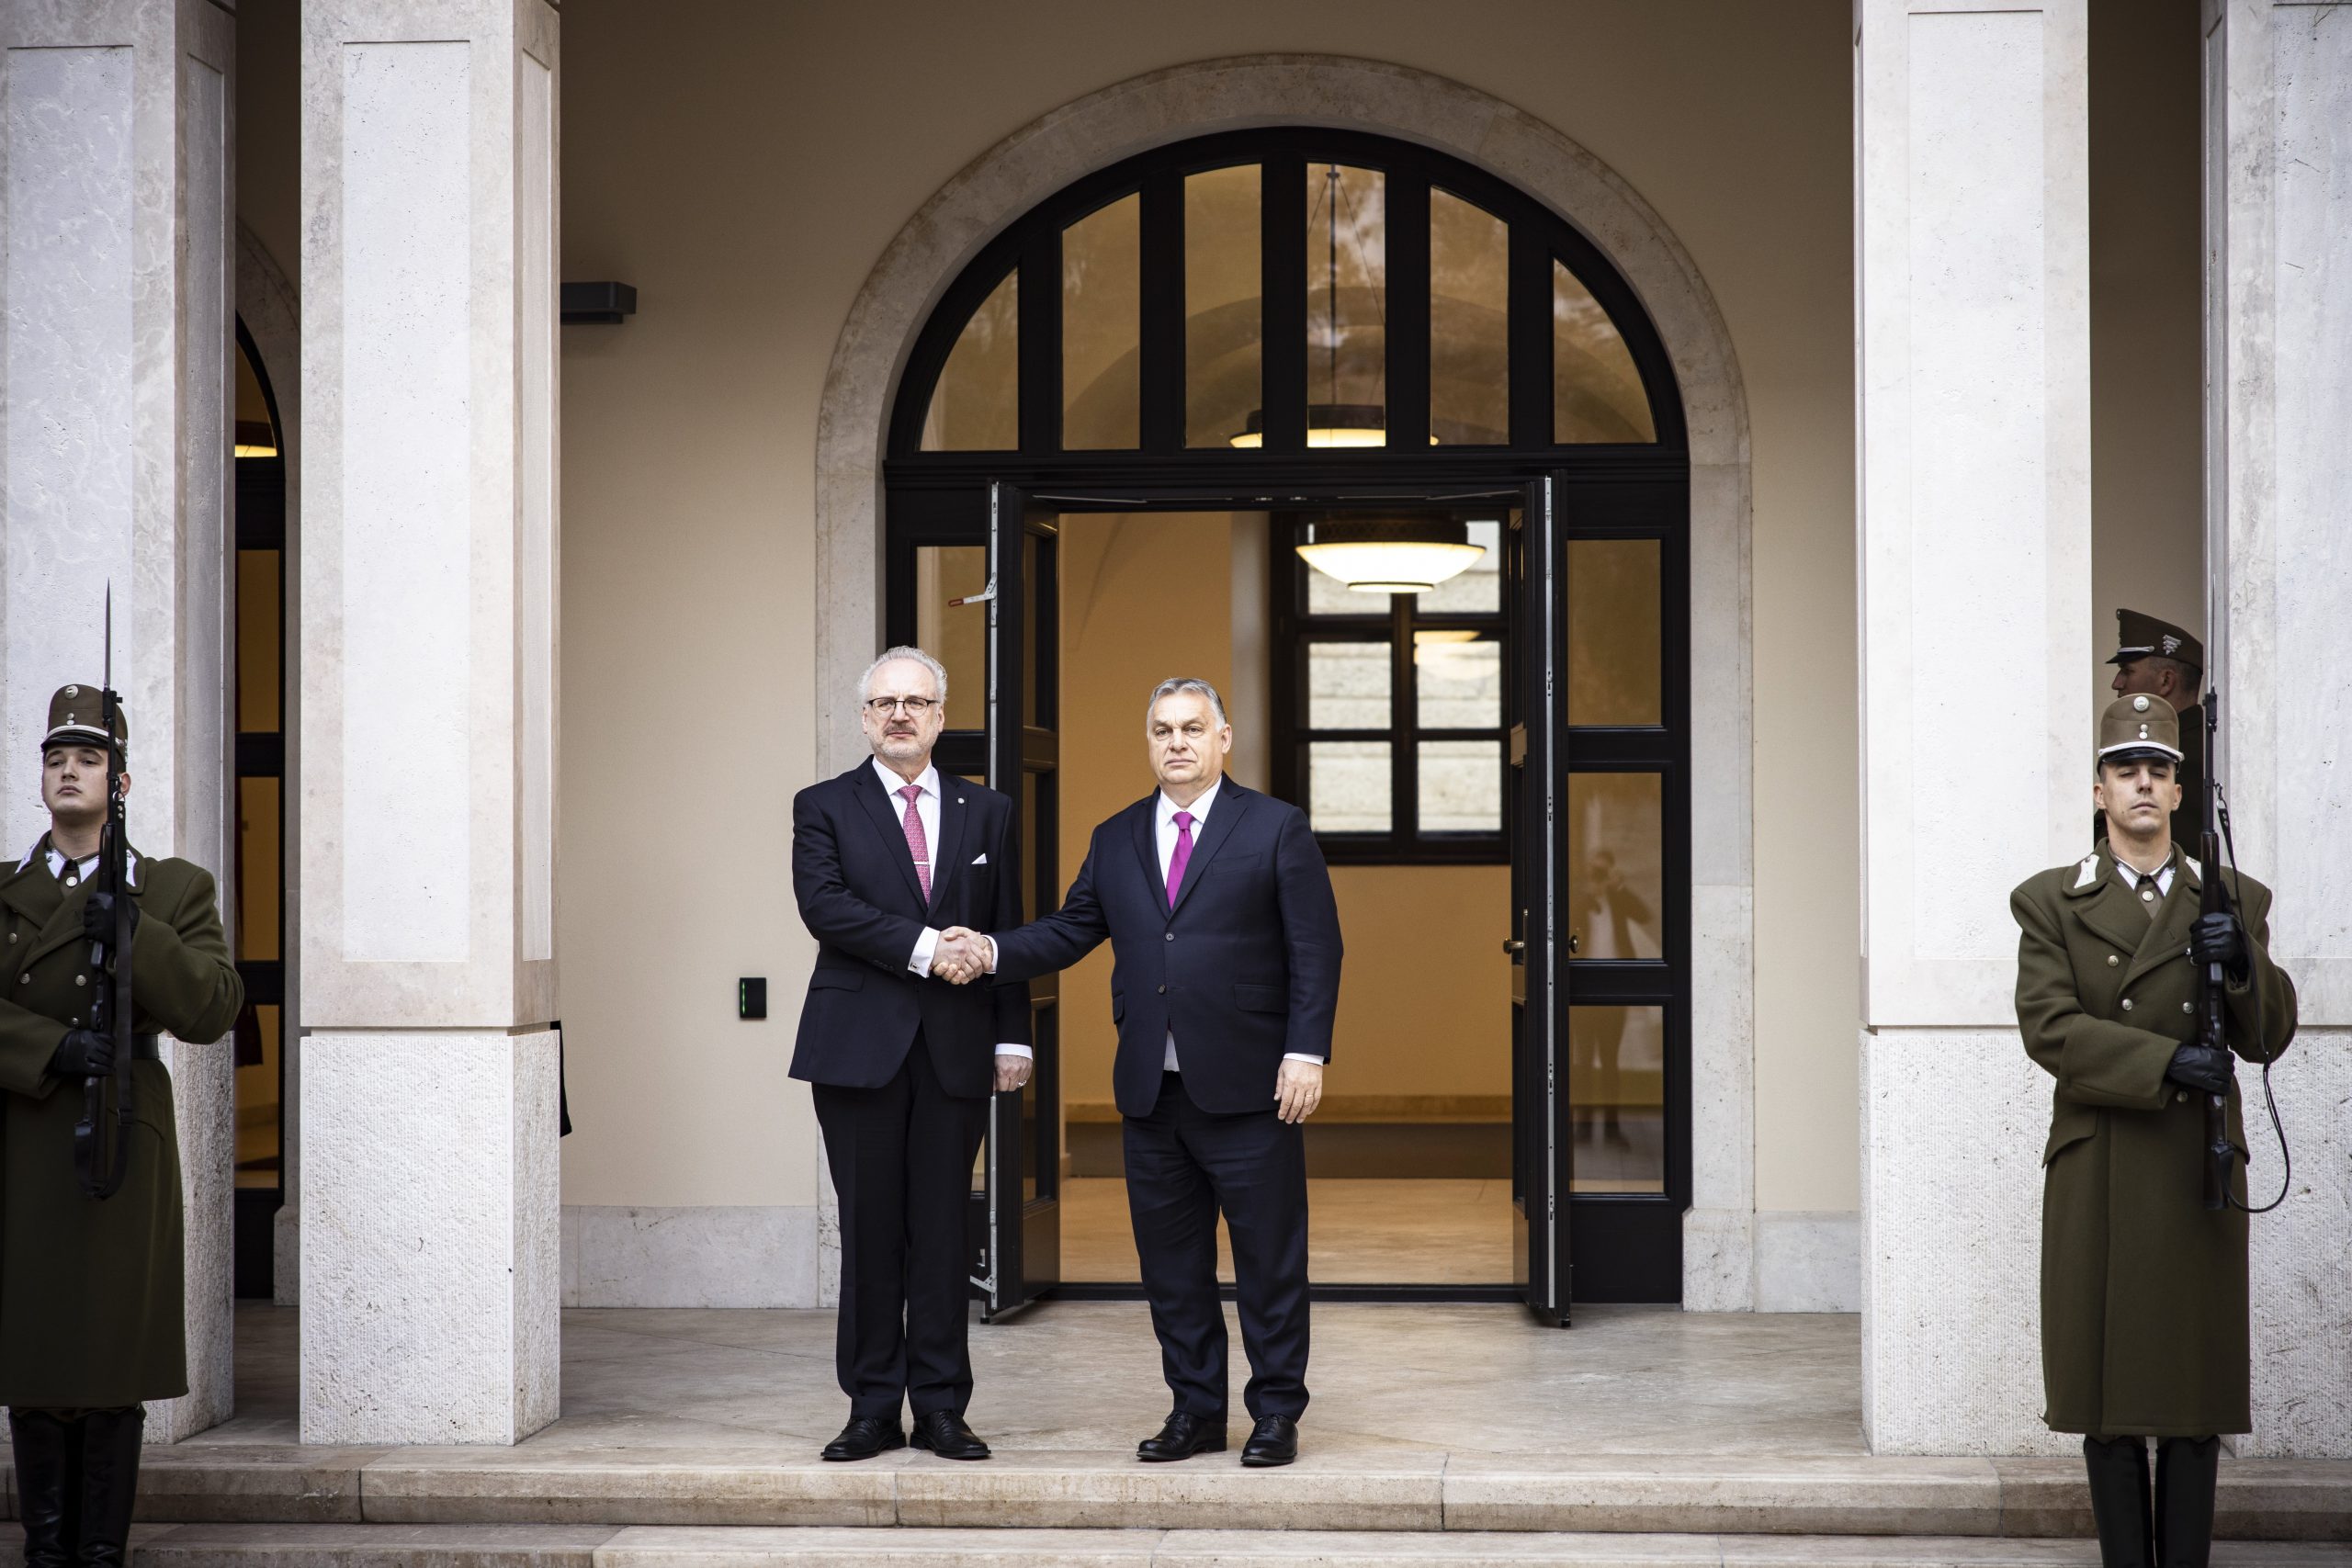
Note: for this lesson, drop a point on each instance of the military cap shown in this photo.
(2137, 636)
(2138, 727)
(77, 717)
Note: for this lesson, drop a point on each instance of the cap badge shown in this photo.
(2172, 643)
(2143, 732)
(2139, 705)
(72, 690)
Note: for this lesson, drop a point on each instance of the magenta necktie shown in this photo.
(917, 845)
(1181, 858)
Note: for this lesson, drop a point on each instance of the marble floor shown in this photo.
(1400, 1379)
(1361, 1231)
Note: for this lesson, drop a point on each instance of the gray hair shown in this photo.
(911, 656)
(1176, 684)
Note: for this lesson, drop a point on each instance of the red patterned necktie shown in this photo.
(918, 845)
(1181, 858)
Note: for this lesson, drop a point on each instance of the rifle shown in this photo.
(101, 1169)
(2213, 899)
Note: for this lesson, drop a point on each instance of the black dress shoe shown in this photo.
(866, 1435)
(944, 1433)
(1274, 1440)
(1183, 1436)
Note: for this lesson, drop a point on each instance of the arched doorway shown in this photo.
(1247, 338)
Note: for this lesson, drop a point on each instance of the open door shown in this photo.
(1018, 1187)
(1542, 1147)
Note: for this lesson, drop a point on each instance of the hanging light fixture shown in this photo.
(1390, 555)
(1331, 423)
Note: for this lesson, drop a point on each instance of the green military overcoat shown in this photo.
(90, 1290)
(2143, 1290)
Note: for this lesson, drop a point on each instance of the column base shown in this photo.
(430, 1253)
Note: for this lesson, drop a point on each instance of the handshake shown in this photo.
(962, 957)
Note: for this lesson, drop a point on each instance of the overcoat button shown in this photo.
(2113, 960)
(81, 979)
(2186, 1007)
(2127, 1004)
(24, 980)
(2178, 1095)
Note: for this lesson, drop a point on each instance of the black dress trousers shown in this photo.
(1184, 1165)
(901, 1158)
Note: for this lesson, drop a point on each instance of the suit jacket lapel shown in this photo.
(1232, 800)
(871, 795)
(2106, 906)
(1146, 836)
(948, 854)
(2167, 934)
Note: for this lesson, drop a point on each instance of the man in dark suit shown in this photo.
(902, 1064)
(1227, 944)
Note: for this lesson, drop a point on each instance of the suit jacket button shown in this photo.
(1171, 936)
(1163, 990)
(2127, 1004)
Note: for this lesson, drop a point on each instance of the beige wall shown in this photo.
(744, 165)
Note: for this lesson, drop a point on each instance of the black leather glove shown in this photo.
(2200, 1067)
(83, 1053)
(98, 917)
(2219, 939)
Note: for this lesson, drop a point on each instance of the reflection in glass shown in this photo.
(1347, 685)
(1617, 1098)
(1348, 786)
(1616, 864)
(1224, 305)
(957, 636)
(1458, 678)
(1462, 786)
(976, 404)
(261, 872)
(1469, 313)
(1596, 390)
(1347, 306)
(1614, 663)
(1101, 327)
(258, 633)
(1477, 591)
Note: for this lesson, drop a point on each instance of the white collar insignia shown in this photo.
(2088, 873)
(2194, 869)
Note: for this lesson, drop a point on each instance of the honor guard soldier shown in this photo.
(90, 1287)
(2160, 660)
(2143, 1289)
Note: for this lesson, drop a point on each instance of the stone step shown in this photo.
(573, 1546)
(1369, 1489)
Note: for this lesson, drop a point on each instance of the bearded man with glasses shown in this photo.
(901, 1063)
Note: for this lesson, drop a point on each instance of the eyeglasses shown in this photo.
(915, 706)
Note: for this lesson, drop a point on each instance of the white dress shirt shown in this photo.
(2130, 874)
(927, 813)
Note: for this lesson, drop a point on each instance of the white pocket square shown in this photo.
(982, 860)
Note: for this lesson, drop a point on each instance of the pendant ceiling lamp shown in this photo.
(1390, 555)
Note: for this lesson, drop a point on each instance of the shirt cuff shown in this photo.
(991, 941)
(1008, 1049)
(1301, 1056)
(925, 946)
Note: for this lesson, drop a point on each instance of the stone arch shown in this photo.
(1206, 97)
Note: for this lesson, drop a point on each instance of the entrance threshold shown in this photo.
(1112, 1291)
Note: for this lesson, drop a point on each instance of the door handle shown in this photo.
(982, 597)
(1574, 942)
(1512, 944)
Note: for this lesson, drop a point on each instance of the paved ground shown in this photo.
(1085, 1375)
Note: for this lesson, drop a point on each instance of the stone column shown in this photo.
(1978, 677)
(116, 366)
(2279, 547)
(429, 1240)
